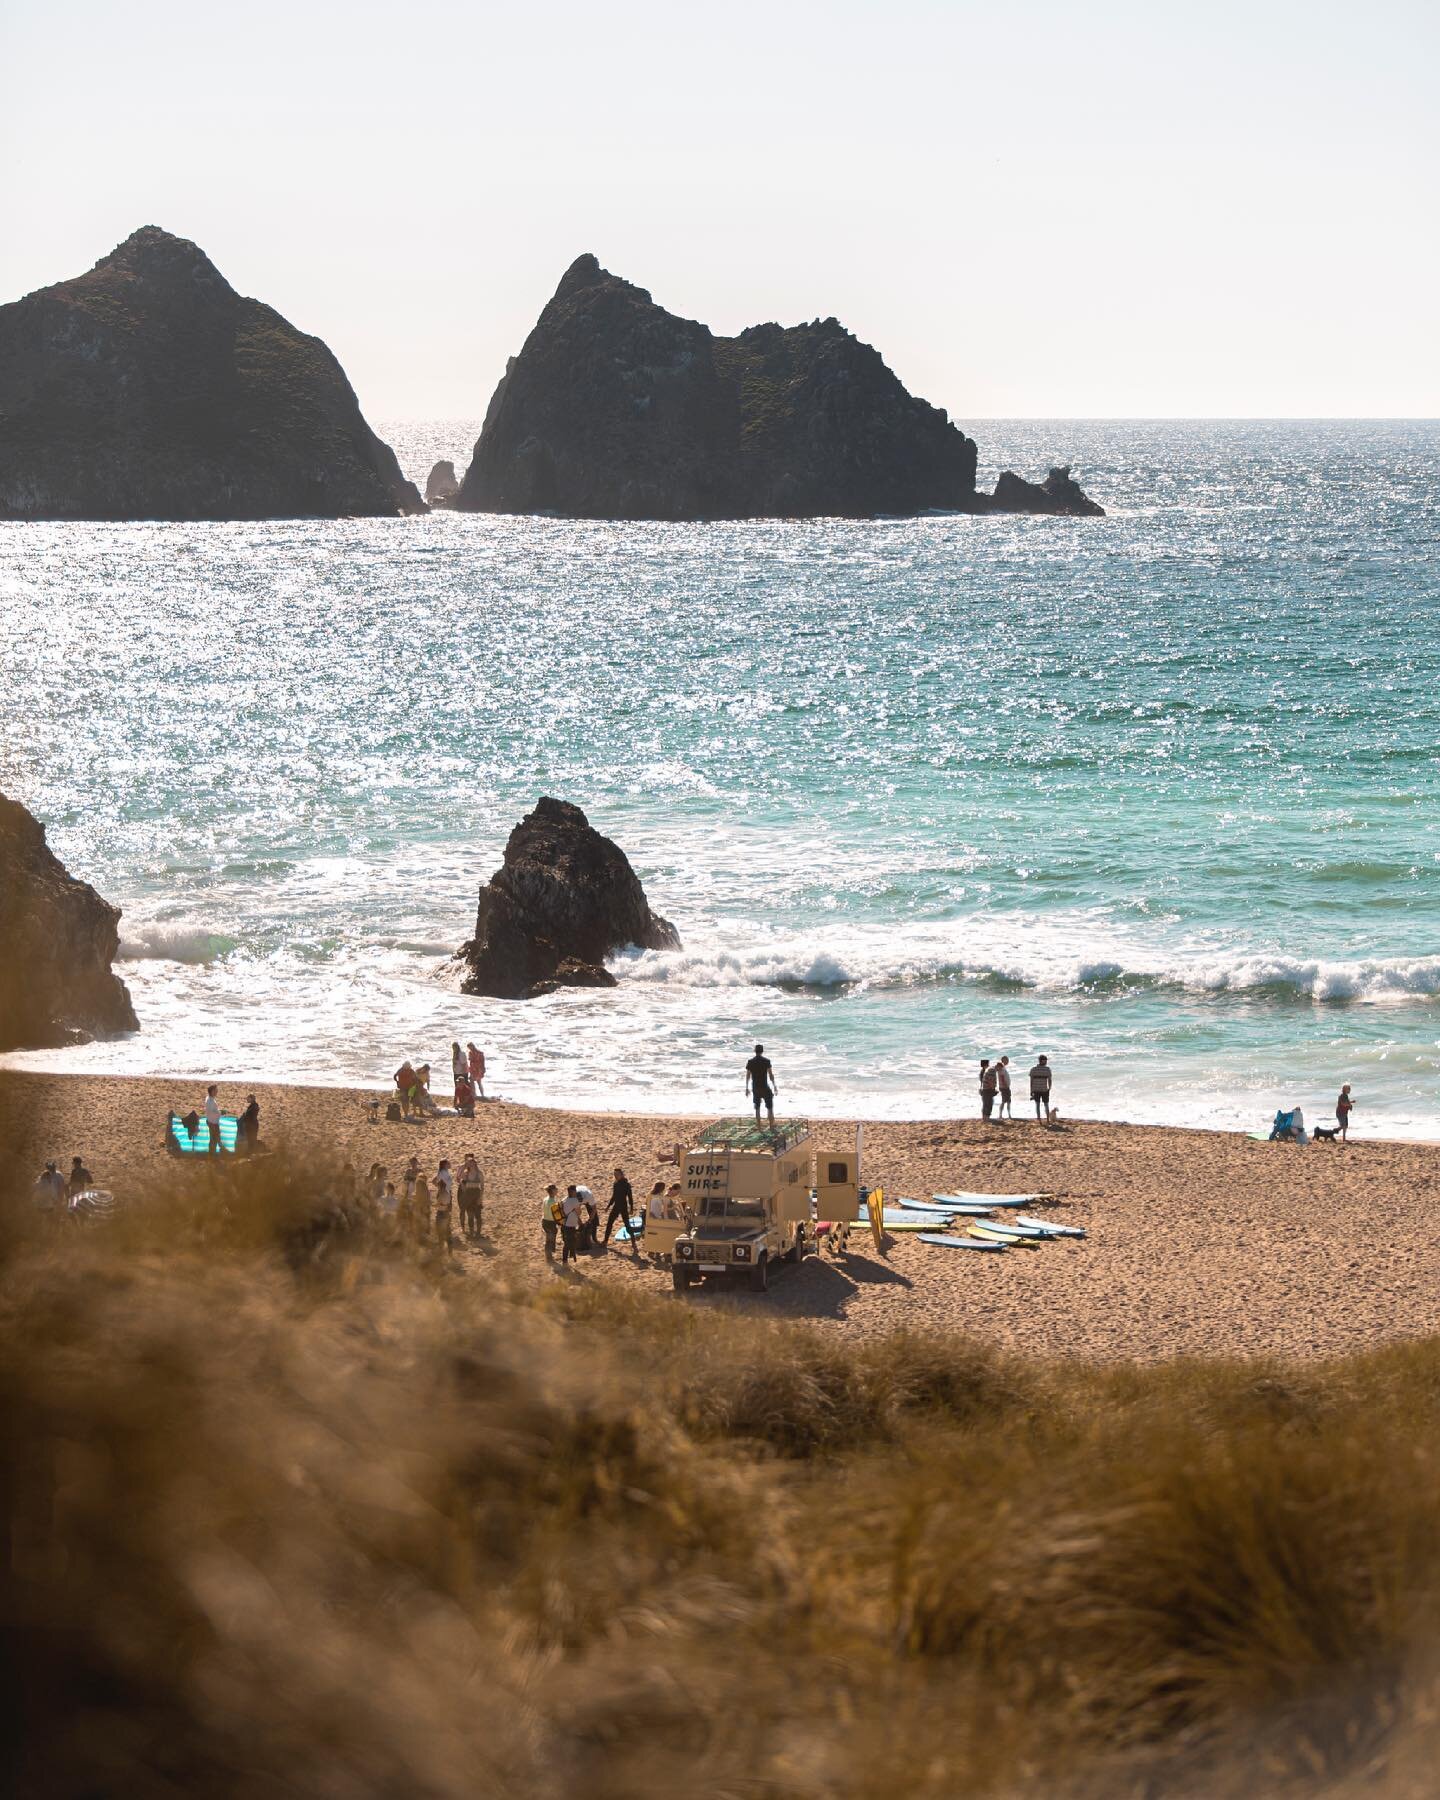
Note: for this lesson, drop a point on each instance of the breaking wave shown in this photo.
(174, 943)
(929, 955)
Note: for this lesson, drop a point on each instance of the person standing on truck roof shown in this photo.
(760, 1082)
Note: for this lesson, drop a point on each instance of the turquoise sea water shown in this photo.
(1156, 794)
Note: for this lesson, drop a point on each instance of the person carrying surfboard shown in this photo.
(760, 1082)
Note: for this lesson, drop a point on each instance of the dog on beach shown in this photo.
(1329, 1137)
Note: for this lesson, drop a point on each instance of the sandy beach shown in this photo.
(1200, 1243)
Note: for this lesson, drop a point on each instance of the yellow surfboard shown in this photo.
(875, 1205)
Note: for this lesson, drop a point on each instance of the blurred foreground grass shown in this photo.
(289, 1509)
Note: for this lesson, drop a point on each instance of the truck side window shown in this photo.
(839, 1173)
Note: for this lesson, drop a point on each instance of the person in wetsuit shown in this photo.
(760, 1082)
(622, 1204)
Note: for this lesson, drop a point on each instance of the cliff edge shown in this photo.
(58, 939)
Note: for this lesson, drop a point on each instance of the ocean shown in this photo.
(1158, 794)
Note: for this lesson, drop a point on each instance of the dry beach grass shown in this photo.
(291, 1510)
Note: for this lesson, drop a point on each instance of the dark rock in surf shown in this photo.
(563, 899)
(149, 389)
(618, 409)
(571, 972)
(442, 486)
(1058, 493)
(58, 939)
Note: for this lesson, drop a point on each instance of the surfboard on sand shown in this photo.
(989, 1200)
(961, 1243)
(994, 1234)
(1049, 1225)
(875, 1209)
(904, 1222)
(946, 1208)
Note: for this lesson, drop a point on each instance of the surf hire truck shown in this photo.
(748, 1200)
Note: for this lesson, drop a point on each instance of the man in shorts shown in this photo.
(760, 1082)
(550, 1214)
(1040, 1087)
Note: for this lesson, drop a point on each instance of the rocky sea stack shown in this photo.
(617, 409)
(1059, 493)
(563, 899)
(442, 488)
(150, 389)
(58, 939)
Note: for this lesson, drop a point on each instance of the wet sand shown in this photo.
(1201, 1243)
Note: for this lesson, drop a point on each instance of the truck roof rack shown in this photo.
(745, 1134)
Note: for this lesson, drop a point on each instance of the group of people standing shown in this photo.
(424, 1206)
(995, 1088)
(571, 1221)
(467, 1071)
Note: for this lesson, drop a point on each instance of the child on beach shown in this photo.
(1344, 1106)
(475, 1059)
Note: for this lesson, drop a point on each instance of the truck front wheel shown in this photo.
(760, 1275)
(682, 1277)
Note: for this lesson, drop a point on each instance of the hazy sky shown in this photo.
(1045, 209)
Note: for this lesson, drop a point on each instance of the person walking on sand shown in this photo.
(1040, 1077)
(458, 1064)
(475, 1062)
(248, 1130)
(1002, 1082)
(572, 1216)
(472, 1197)
(1344, 1106)
(50, 1192)
(760, 1082)
(622, 1202)
(212, 1118)
(551, 1213)
(80, 1177)
(989, 1081)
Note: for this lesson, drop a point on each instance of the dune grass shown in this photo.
(292, 1509)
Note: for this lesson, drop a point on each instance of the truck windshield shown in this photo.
(717, 1207)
